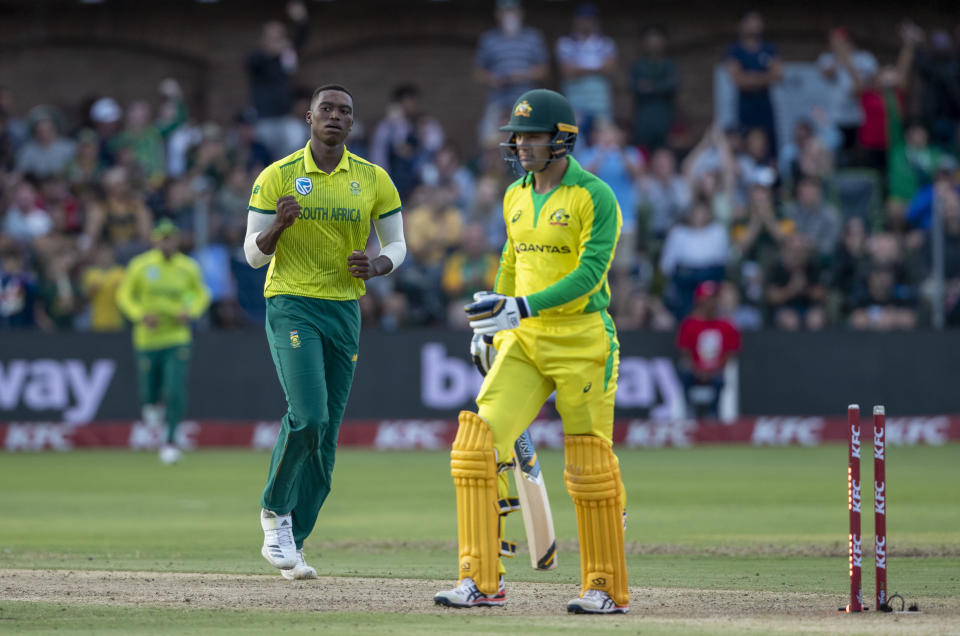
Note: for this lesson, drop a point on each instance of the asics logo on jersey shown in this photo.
(542, 248)
(559, 217)
(516, 216)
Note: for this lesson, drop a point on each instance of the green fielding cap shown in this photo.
(542, 110)
(164, 228)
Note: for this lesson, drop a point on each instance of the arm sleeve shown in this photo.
(598, 237)
(389, 230)
(506, 273)
(256, 222)
(198, 296)
(128, 296)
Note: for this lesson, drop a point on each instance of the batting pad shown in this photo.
(593, 481)
(473, 465)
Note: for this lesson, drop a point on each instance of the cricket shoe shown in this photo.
(278, 546)
(596, 602)
(466, 594)
(170, 454)
(300, 571)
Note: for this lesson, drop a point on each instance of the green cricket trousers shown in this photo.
(314, 343)
(162, 376)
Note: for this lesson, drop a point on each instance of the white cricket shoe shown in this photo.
(596, 602)
(170, 454)
(466, 594)
(300, 571)
(278, 546)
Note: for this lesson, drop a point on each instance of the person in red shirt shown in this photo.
(706, 342)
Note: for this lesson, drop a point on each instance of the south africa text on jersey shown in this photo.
(329, 214)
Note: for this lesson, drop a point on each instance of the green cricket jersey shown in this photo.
(560, 244)
(334, 220)
(166, 289)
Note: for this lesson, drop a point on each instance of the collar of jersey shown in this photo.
(570, 177)
(309, 165)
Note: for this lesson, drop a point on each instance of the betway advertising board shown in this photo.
(425, 375)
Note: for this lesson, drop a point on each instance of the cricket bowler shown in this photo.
(548, 316)
(161, 292)
(309, 218)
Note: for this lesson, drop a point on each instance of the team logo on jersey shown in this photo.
(559, 217)
(295, 339)
(303, 185)
(523, 109)
(516, 216)
(354, 187)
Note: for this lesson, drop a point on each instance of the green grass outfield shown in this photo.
(709, 518)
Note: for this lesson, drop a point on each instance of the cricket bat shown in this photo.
(534, 505)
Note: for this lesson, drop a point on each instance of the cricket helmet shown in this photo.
(542, 110)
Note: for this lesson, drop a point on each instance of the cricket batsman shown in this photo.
(162, 290)
(309, 217)
(552, 332)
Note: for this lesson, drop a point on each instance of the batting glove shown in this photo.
(482, 352)
(493, 312)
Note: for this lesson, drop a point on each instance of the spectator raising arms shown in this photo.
(693, 253)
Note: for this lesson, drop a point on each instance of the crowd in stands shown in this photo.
(847, 222)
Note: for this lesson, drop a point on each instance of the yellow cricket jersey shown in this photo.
(560, 244)
(165, 289)
(334, 220)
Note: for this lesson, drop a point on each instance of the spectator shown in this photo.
(448, 173)
(46, 153)
(99, 283)
(511, 59)
(843, 108)
(664, 193)
(120, 218)
(270, 70)
(693, 253)
(754, 67)
(106, 117)
(620, 166)
(654, 80)
(951, 264)
(587, 58)
(25, 220)
(19, 302)
(61, 206)
(637, 309)
(17, 128)
(878, 95)
(939, 67)
(810, 152)
(744, 317)
(143, 141)
(84, 172)
(711, 168)
(850, 261)
(756, 164)
(243, 147)
(405, 139)
(56, 291)
(469, 269)
(8, 153)
(879, 308)
(914, 163)
(706, 342)
(796, 294)
(945, 184)
(757, 232)
(813, 217)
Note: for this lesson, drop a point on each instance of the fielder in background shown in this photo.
(161, 292)
(309, 218)
(551, 332)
